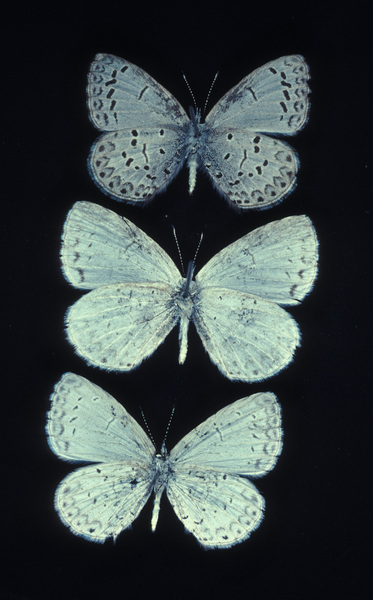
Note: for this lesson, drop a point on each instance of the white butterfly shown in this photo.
(138, 294)
(150, 136)
(204, 476)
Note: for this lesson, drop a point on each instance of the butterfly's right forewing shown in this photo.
(244, 438)
(277, 261)
(271, 99)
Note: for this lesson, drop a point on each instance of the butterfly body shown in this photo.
(148, 136)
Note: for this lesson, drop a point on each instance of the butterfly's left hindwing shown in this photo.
(116, 327)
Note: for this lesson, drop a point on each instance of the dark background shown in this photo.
(313, 540)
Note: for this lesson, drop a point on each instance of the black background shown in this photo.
(312, 542)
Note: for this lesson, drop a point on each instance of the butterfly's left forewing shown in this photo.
(99, 248)
(86, 423)
(121, 95)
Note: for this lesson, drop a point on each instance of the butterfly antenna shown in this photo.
(178, 250)
(198, 247)
(147, 426)
(168, 428)
(190, 92)
(209, 92)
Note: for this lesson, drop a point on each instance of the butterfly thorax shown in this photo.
(161, 466)
(183, 300)
(194, 143)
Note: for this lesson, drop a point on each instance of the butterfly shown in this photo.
(204, 476)
(148, 135)
(138, 294)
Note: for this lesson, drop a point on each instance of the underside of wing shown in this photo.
(272, 99)
(219, 510)
(244, 438)
(121, 95)
(251, 170)
(134, 164)
(99, 248)
(277, 261)
(85, 423)
(116, 327)
(100, 501)
(248, 338)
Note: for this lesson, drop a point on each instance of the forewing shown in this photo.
(120, 95)
(272, 99)
(248, 338)
(250, 169)
(277, 261)
(99, 248)
(117, 326)
(134, 164)
(100, 501)
(219, 510)
(244, 438)
(85, 423)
